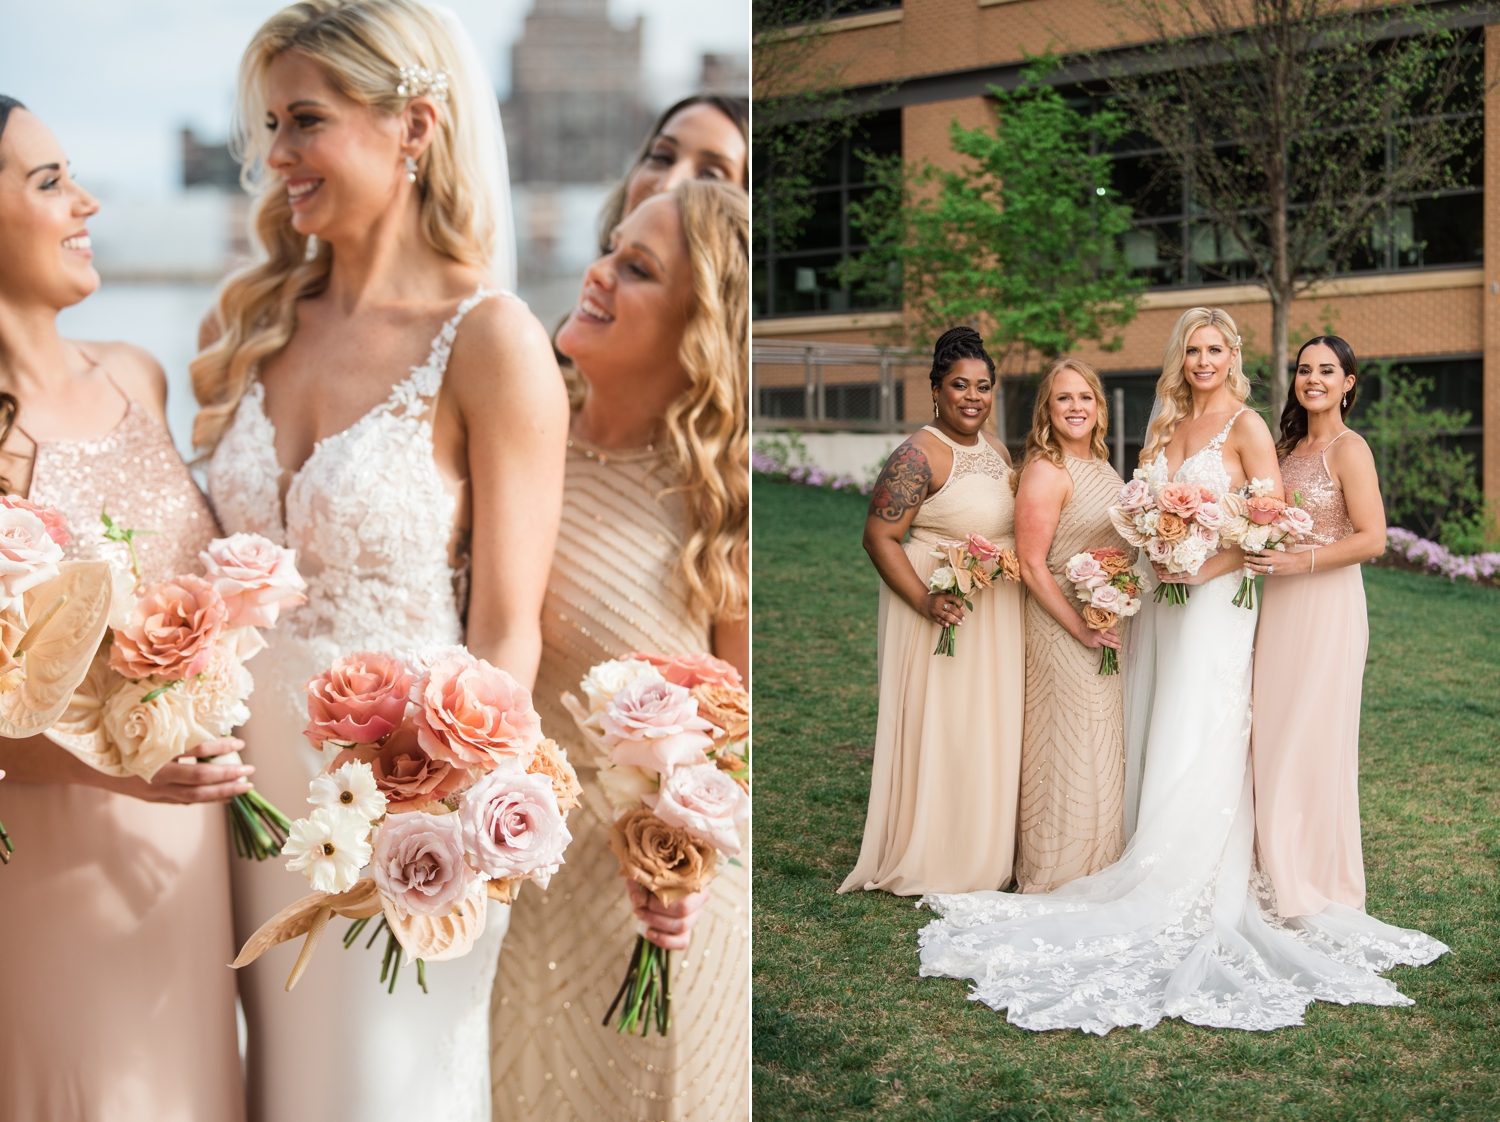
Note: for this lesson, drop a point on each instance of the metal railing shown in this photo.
(813, 361)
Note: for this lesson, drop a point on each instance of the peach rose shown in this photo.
(981, 547)
(408, 777)
(475, 715)
(1114, 561)
(419, 863)
(725, 707)
(1170, 527)
(654, 725)
(551, 761)
(729, 762)
(53, 520)
(172, 631)
(667, 860)
(692, 670)
(360, 699)
(256, 577)
(1182, 499)
(1010, 565)
(1264, 510)
(1097, 619)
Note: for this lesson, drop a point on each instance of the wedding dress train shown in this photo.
(371, 523)
(1183, 925)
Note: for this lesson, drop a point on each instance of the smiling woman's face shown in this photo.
(636, 299)
(966, 396)
(44, 239)
(1073, 406)
(1209, 355)
(1321, 382)
(697, 142)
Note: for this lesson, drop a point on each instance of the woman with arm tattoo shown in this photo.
(943, 795)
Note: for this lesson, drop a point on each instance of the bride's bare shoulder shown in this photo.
(501, 352)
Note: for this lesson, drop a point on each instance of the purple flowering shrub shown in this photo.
(1406, 550)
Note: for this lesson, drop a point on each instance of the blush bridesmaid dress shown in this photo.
(116, 1000)
(1304, 740)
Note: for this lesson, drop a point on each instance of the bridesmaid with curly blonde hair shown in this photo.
(1072, 818)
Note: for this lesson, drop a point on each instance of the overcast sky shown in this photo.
(116, 79)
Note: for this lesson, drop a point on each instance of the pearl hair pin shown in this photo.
(418, 80)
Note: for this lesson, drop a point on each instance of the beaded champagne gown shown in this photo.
(371, 521)
(943, 788)
(1178, 927)
(1304, 740)
(115, 1001)
(1073, 748)
(613, 590)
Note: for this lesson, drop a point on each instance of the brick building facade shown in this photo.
(930, 62)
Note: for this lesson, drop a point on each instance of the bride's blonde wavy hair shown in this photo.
(1172, 388)
(708, 426)
(361, 46)
(1042, 441)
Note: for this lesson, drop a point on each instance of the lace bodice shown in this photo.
(367, 513)
(975, 499)
(1204, 467)
(1307, 477)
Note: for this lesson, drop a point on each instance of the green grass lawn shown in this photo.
(844, 1027)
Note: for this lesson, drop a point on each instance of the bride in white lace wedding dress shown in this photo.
(423, 509)
(1182, 925)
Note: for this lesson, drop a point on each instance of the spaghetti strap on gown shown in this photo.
(1304, 741)
(1179, 926)
(115, 1001)
(944, 787)
(371, 522)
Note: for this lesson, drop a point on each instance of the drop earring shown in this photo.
(934, 411)
(1346, 402)
(411, 170)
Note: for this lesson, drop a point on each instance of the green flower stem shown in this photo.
(260, 830)
(1109, 662)
(6, 849)
(646, 990)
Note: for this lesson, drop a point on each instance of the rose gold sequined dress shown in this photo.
(613, 590)
(115, 1001)
(943, 788)
(1304, 739)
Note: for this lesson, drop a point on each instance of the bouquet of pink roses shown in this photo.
(1102, 579)
(1176, 524)
(972, 565)
(1256, 521)
(170, 674)
(52, 615)
(440, 781)
(671, 740)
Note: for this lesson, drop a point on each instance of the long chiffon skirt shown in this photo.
(116, 998)
(944, 791)
(1309, 669)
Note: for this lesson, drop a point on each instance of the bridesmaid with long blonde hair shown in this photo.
(1073, 747)
(1311, 643)
(653, 556)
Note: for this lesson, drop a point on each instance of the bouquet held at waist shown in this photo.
(440, 782)
(973, 565)
(671, 741)
(1110, 592)
(1258, 521)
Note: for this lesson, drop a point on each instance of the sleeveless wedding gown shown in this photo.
(1182, 925)
(371, 523)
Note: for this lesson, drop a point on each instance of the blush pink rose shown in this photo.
(475, 715)
(982, 548)
(28, 554)
(692, 670)
(419, 863)
(1085, 569)
(1264, 509)
(1134, 497)
(171, 631)
(513, 827)
(1297, 521)
(360, 699)
(1181, 499)
(1210, 516)
(1158, 550)
(256, 577)
(407, 776)
(57, 525)
(1108, 598)
(1209, 536)
(654, 725)
(706, 802)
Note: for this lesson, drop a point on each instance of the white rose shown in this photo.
(28, 555)
(624, 786)
(151, 734)
(943, 580)
(608, 678)
(706, 803)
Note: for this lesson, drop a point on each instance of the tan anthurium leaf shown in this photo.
(62, 651)
(80, 729)
(359, 902)
(435, 938)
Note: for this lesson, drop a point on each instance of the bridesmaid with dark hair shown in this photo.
(943, 793)
(1311, 643)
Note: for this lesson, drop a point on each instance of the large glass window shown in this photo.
(819, 11)
(798, 274)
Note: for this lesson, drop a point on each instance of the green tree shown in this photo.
(1427, 483)
(1022, 242)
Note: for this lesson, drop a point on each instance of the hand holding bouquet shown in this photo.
(1176, 524)
(671, 736)
(1102, 579)
(1258, 521)
(440, 781)
(170, 675)
(972, 565)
